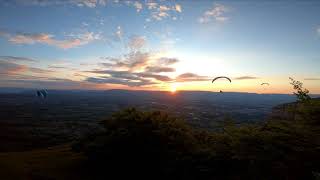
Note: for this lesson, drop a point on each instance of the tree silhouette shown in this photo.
(301, 93)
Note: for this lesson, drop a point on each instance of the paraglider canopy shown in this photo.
(221, 77)
(42, 93)
(265, 84)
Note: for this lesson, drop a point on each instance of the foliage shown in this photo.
(158, 146)
(301, 93)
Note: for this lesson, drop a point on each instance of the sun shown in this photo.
(173, 88)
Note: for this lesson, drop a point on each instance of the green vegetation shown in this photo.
(300, 92)
(156, 145)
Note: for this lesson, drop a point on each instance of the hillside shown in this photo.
(285, 147)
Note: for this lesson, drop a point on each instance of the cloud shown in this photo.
(160, 12)
(154, 76)
(318, 30)
(157, 10)
(138, 6)
(119, 81)
(8, 68)
(136, 68)
(312, 79)
(61, 65)
(127, 78)
(189, 77)
(119, 33)
(216, 13)
(156, 69)
(127, 75)
(47, 83)
(132, 61)
(80, 3)
(16, 59)
(178, 8)
(165, 61)
(152, 5)
(56, 67)
(246, 77)
(12, 69)
(136, 42)
(44, 38)
(39, 70)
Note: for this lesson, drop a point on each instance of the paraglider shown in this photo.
(221, 77)
(265, 84)
(42, 93)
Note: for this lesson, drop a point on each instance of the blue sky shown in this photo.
(159, 45)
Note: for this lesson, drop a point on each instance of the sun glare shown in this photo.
(173, 88)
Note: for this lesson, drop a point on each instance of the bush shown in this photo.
(154, 145)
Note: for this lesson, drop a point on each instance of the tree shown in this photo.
(301, 93)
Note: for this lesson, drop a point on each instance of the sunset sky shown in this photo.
(160, 45)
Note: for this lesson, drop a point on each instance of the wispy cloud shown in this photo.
(9, 69)
(312, 79)
(133, 61)
(126, 78)
(137, 42)
(157, 69)
(178, 8)
(80, 3)
(16, 59)
(119, 81)
(165, 61)
(318, 30)
(160, 12)
(56, 83)
(246, 77)
(138, 6)
(44, 38)
(217, 13)
(136, 68)
(189, 77)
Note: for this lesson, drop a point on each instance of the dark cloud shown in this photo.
(126, 75)
(186, 77)
(136, 60)
(132, 61)
(156, 69)
(39, 70)
(164, 61)
(17, 59)
(9, 69)
(110, 80)
(127, 78)
(154, 76)
(246, 77)
(56, 67)
(46, 83)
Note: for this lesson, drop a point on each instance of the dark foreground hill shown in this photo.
(155, 145)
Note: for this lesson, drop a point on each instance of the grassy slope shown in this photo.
(54, 163)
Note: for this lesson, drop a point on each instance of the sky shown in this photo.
(160, 45)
